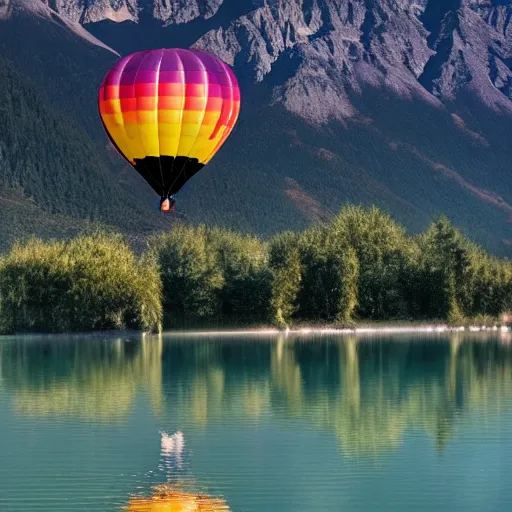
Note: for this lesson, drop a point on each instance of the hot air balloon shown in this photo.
(168, 112)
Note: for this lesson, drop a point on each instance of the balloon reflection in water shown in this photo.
(171, 497)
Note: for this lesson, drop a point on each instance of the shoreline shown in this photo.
(364, 329)
(420, 329)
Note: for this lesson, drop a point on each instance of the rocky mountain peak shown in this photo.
(167, 11)
(315, 53)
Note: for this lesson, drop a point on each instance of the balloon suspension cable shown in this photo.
(178, 175)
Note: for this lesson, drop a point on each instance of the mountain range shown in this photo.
(406, 104)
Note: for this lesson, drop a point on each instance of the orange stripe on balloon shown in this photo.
(130, 117)
(171, 89)
(214, 104)
(193, 103)
(111, 92)
(170, 102)
(147, 103)
(110, 107)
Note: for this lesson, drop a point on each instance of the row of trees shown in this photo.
(360, 265)
(94, 282)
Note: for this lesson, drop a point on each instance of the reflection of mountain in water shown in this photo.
(369, 393)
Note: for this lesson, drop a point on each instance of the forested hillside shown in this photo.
(53, 178)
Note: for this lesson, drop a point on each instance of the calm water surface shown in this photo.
(280, 424)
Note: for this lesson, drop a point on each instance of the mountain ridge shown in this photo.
(380, 42)
(9, 8)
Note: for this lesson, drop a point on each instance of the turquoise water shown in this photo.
(269, 423)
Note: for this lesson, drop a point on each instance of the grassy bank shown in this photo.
(360, 267)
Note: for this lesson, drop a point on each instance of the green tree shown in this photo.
(329, 277)
(447, 277)
(285, 264)
(242, 262)
(190, 275)
(384, 254)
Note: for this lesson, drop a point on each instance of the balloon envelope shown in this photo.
(168, 112)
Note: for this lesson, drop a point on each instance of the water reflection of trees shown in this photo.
(88, 379)
(368, 393)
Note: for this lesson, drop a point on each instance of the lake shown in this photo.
(285, 423)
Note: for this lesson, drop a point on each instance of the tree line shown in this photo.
(361, 265)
